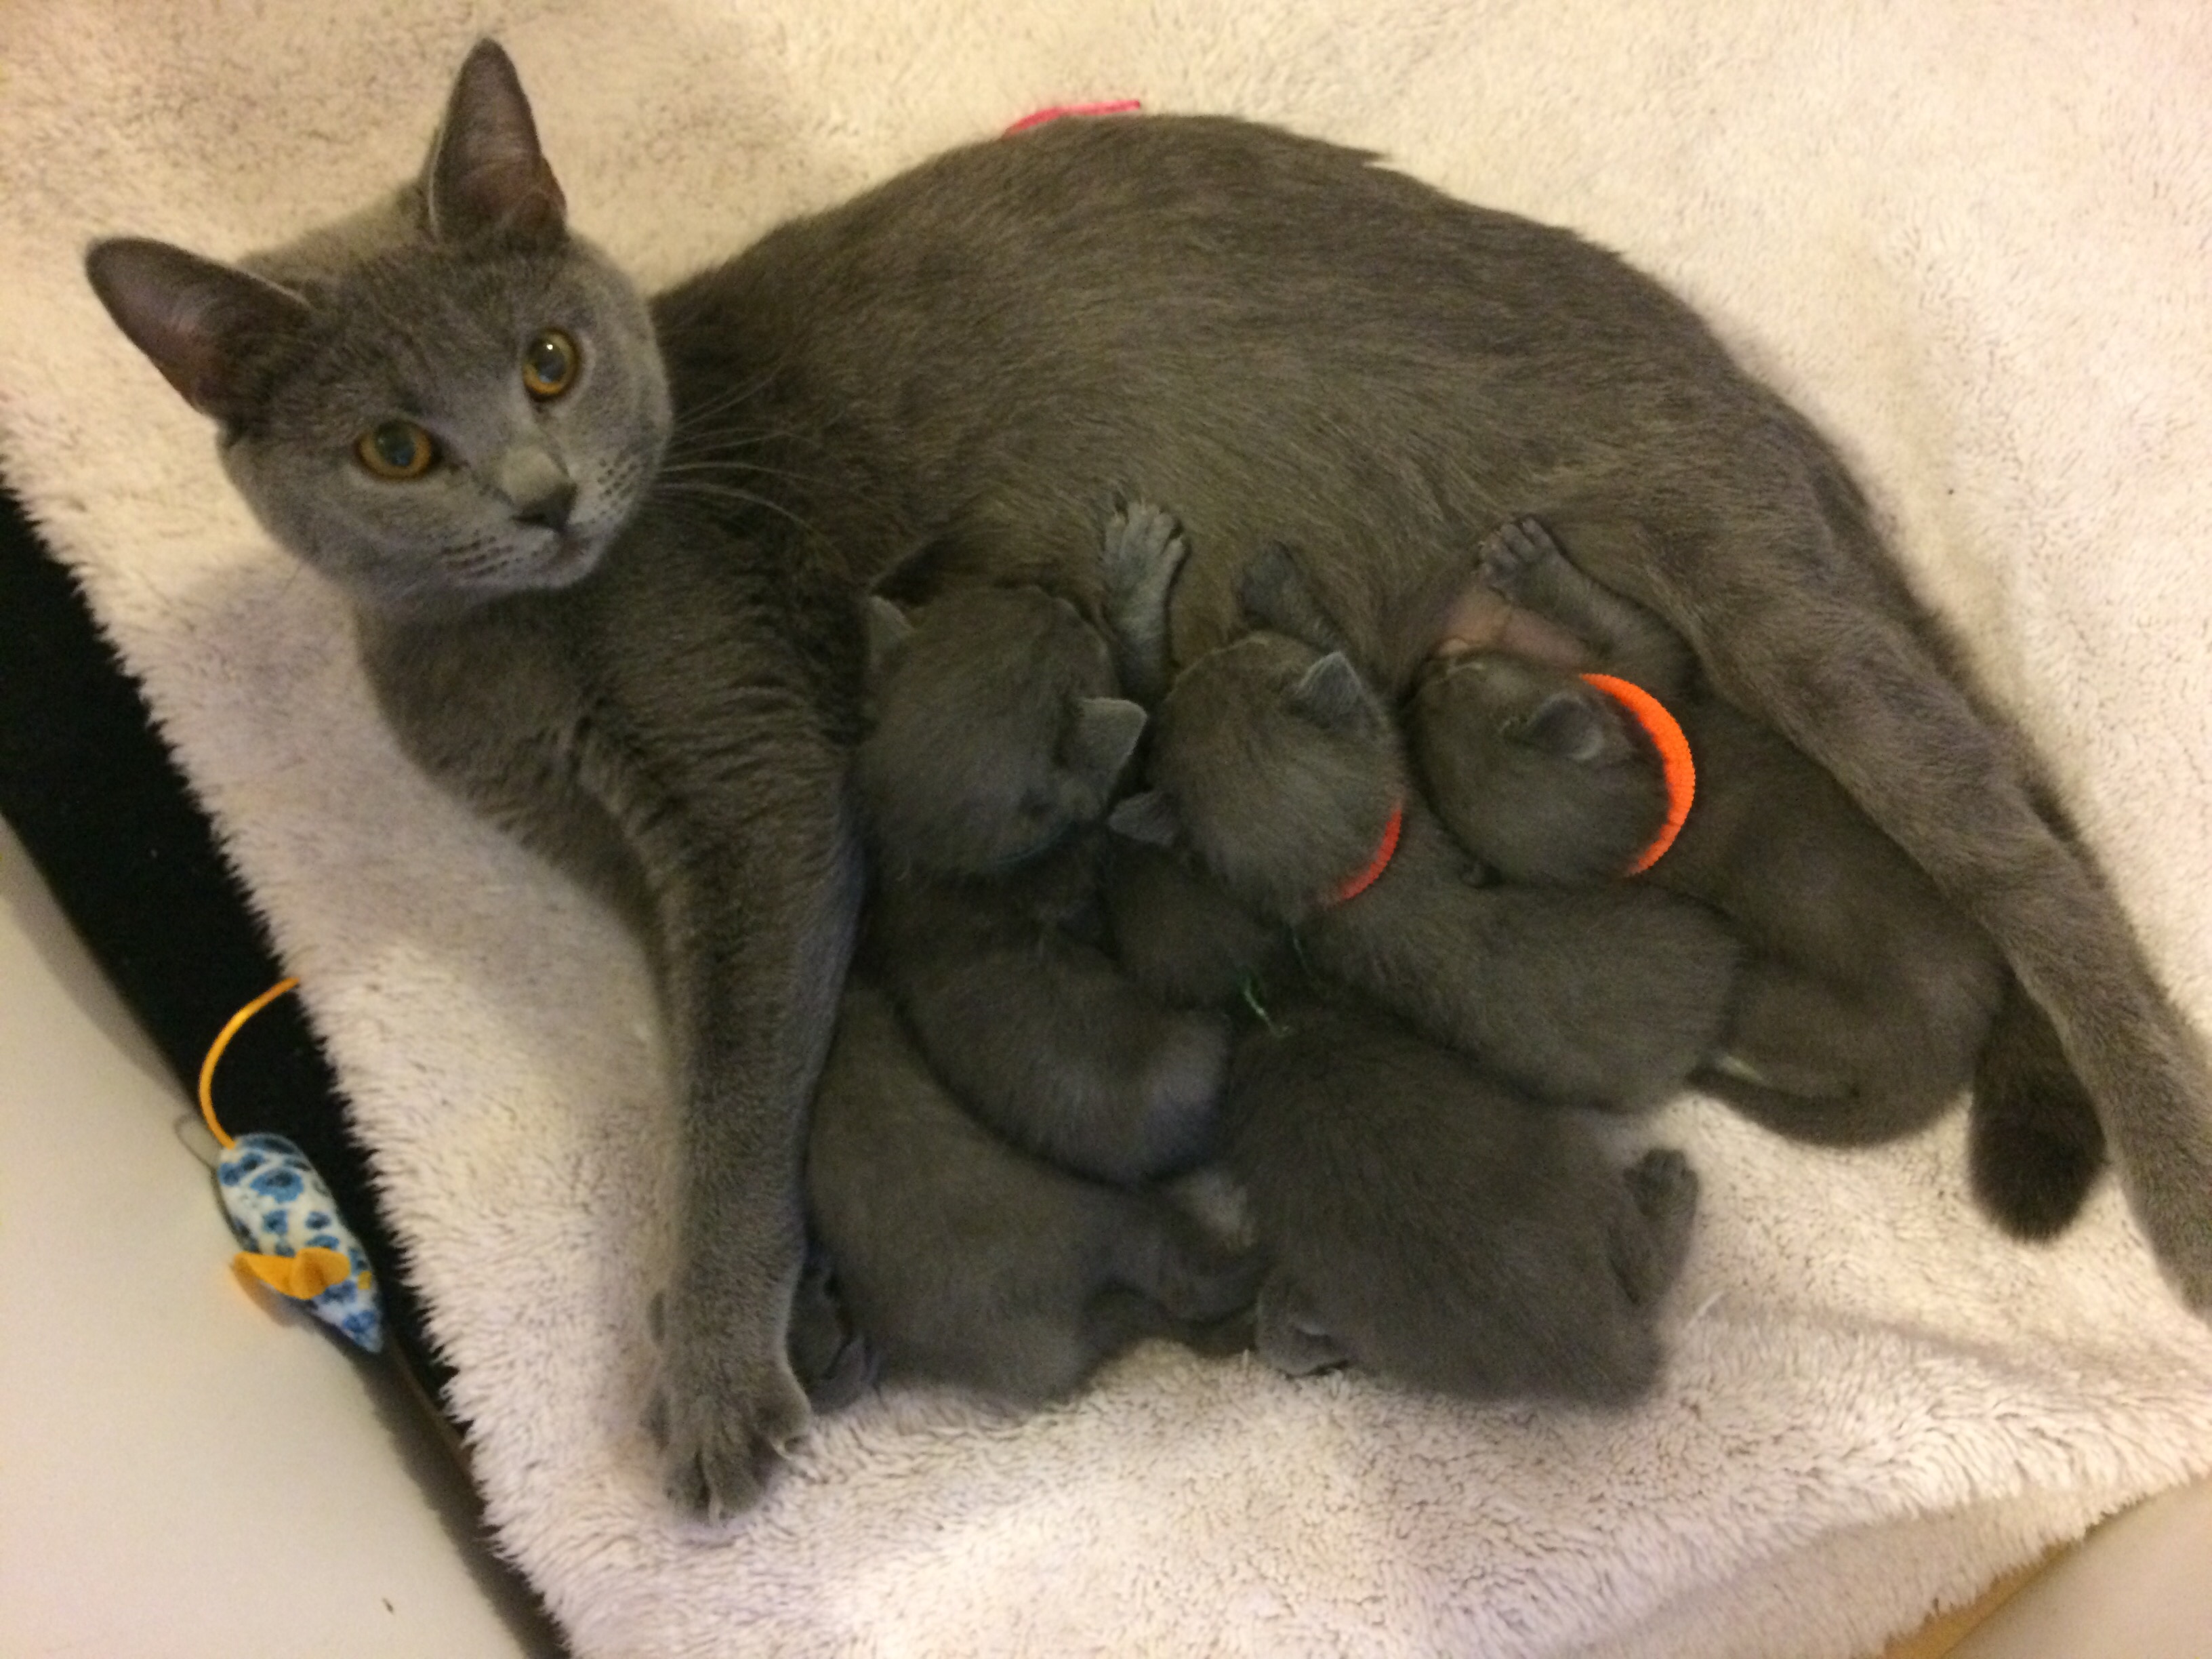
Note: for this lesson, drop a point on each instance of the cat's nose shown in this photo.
(536, 487)
(550, 509)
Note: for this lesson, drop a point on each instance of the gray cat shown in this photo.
(1865, 999)
(963, 1260)
(1430, 1225)
(653, 672)
(1280, 770)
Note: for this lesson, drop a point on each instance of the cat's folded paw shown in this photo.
(1511, 553)
(724, 1416)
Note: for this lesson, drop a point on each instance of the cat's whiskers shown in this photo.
(733, 492)
(730, 397)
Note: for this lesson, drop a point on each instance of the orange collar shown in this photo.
(1375, 865)
(1675, 767)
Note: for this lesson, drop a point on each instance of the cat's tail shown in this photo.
(1954, 787)
(2034, 1145)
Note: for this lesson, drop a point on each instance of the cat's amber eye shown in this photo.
(397, 449)
(549, 365)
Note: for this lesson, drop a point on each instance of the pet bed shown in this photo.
(1970, 239)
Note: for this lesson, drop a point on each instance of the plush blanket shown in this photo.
(1970, 237)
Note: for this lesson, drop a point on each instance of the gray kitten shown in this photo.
(1433, 1227)
(1277, 768)
(1310, 346)
(998, 737)
(1865, 999)
(963, 1260)
(998, 722)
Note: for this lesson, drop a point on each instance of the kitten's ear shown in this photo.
(888, 632)
(1571, 727)
(486, 172)
(1102, 734)
(1333, 696)
(1272, 593)
(1149, 818)
(209, 328)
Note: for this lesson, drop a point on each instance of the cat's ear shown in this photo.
(1150, 818)
(1333, 696)
(209, 328)
(486, 172)
(1102, 734)
(888, 632)
(1573, 726)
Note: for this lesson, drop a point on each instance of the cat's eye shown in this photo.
(549, 365)
(396, 449)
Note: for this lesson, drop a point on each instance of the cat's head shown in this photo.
(998, 727)
(1536, 772)
(1277, 767)
(468, 405)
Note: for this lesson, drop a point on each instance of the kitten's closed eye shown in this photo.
(549, 365)
(397, 450)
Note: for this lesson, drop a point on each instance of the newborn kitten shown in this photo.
(1864, 998)
(1279, 769)
(1430, 1225)
(998, 737)
(963, 1260)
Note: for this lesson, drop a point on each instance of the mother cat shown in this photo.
(633, 635)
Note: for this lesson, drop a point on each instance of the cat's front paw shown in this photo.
(1511, 553)
(724, 1413)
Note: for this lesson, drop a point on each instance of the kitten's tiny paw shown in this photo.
(1285, 1336)
(1663, 1184)
(832, 1361)
(1143, 548)
(1510, 552)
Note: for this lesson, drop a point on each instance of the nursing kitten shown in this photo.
(653, 671)
(1429, 1225)
(997, 722)
(1279, 771)
(997, 738)
(1865, 1001)
(963, 1260)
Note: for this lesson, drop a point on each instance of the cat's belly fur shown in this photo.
(1281, 342)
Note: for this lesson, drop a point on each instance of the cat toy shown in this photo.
(280, 1210)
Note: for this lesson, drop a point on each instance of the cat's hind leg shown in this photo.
(1795, 628)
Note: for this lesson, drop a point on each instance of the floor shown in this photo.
(187, 1470)
(184, 1469)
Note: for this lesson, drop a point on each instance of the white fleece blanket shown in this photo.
(1971, 237)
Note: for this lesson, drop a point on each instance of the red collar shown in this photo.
(1674, 762)
(1375, 865)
